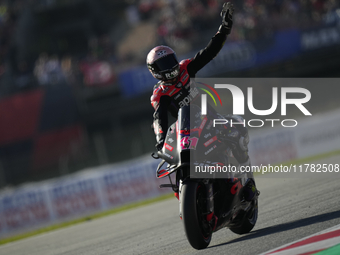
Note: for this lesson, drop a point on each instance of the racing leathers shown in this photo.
(172, 96)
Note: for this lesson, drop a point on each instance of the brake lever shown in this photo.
(155, 155)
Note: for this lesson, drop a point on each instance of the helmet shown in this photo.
(162, 63)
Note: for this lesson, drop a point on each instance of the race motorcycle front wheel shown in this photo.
(193, 208)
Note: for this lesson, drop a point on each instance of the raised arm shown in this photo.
(204, 56)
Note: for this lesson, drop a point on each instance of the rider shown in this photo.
(174, 86)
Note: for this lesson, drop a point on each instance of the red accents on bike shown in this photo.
(162, 173)
(210, 141)
(177, 195)
(200, 128)
(212, 216)
(184, 132)
(236, 188)
(209, 216)
(168, 147)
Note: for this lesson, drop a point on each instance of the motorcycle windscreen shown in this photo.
(180, 140)
(183, 134)
(170, 146)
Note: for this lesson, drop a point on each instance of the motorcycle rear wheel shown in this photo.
(193, 203)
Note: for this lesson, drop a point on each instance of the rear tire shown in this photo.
(249, 220)
(193, 195)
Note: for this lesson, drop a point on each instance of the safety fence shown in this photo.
(93, 190)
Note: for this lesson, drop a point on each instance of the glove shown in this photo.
(227, 18)
(159, 144)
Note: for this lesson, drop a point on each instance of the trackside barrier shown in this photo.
(273, 146)
(313, 135)
(40, 204)
(93, 190)
(319, 134)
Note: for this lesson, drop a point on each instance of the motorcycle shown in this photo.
(206, 204)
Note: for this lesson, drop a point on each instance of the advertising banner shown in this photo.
(24, 208)
(74, 197)
(84, 193)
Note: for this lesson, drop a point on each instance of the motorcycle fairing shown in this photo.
(185, 143)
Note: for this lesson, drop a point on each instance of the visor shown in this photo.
(166, 63)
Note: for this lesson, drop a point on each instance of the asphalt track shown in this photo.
(290, 209)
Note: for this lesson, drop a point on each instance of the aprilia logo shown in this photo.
(193, 92)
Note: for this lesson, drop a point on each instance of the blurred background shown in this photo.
(74, 88)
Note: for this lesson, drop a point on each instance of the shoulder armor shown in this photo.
(185, 62)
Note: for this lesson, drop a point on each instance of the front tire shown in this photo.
(193, 207)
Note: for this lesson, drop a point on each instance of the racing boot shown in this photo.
(249, 190)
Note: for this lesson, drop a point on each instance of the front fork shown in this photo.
(180, 186)
(209, 198)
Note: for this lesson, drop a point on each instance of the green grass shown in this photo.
(335, 250)
(136, 204)
(88, 218)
